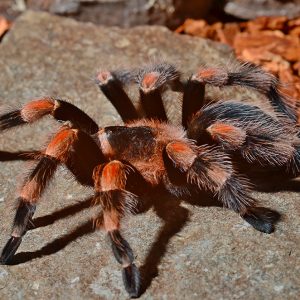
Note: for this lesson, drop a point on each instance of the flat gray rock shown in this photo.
(184, 251)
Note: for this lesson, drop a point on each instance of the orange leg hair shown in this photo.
(211, 170)
(110, 183)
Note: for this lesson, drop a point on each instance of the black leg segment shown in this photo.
(152, 81)
(193, 100)
(11, 119)
(153, 105)
(262, 219)
(112, 88)
(124, 256)
(22, 222)
(65, 111)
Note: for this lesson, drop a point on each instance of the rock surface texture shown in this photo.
(250, 9)
(184, 251)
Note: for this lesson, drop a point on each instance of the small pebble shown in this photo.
(74, 280)
(122, 43)
(35, 285)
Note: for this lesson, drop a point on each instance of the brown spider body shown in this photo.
(210, 151)
(141, 144)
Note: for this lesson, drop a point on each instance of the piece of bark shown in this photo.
(294, 23)
(275, 41)
(194, 27)
(272, 42)
(296, 67)
(229, 32)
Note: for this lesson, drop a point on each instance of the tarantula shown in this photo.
(208, 152)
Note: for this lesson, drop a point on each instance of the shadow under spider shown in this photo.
(55, 246)
(174, 217)
(167, 208)
(62, 241)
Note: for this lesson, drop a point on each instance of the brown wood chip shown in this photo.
(272, 42)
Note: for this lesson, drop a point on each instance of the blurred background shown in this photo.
(266, 32)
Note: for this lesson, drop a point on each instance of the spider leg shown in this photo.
(211, 170)
(32, 189)
(22, 221)
(112, 87)
(19, 155)
(193, 100)
(110, 181)
(58, 151)
(152, 81)
(59, 109)
(252, 76)
(247, 132)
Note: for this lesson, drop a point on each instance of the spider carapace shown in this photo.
(209, 151)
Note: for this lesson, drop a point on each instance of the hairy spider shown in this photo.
(208, 152)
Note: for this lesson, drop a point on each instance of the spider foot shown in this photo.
(10, 249)
(112, 86)
(124, 255)
(262, 219)
(121, 249)
(22, 223)
(131, 279)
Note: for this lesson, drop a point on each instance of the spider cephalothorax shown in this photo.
(207, 152)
